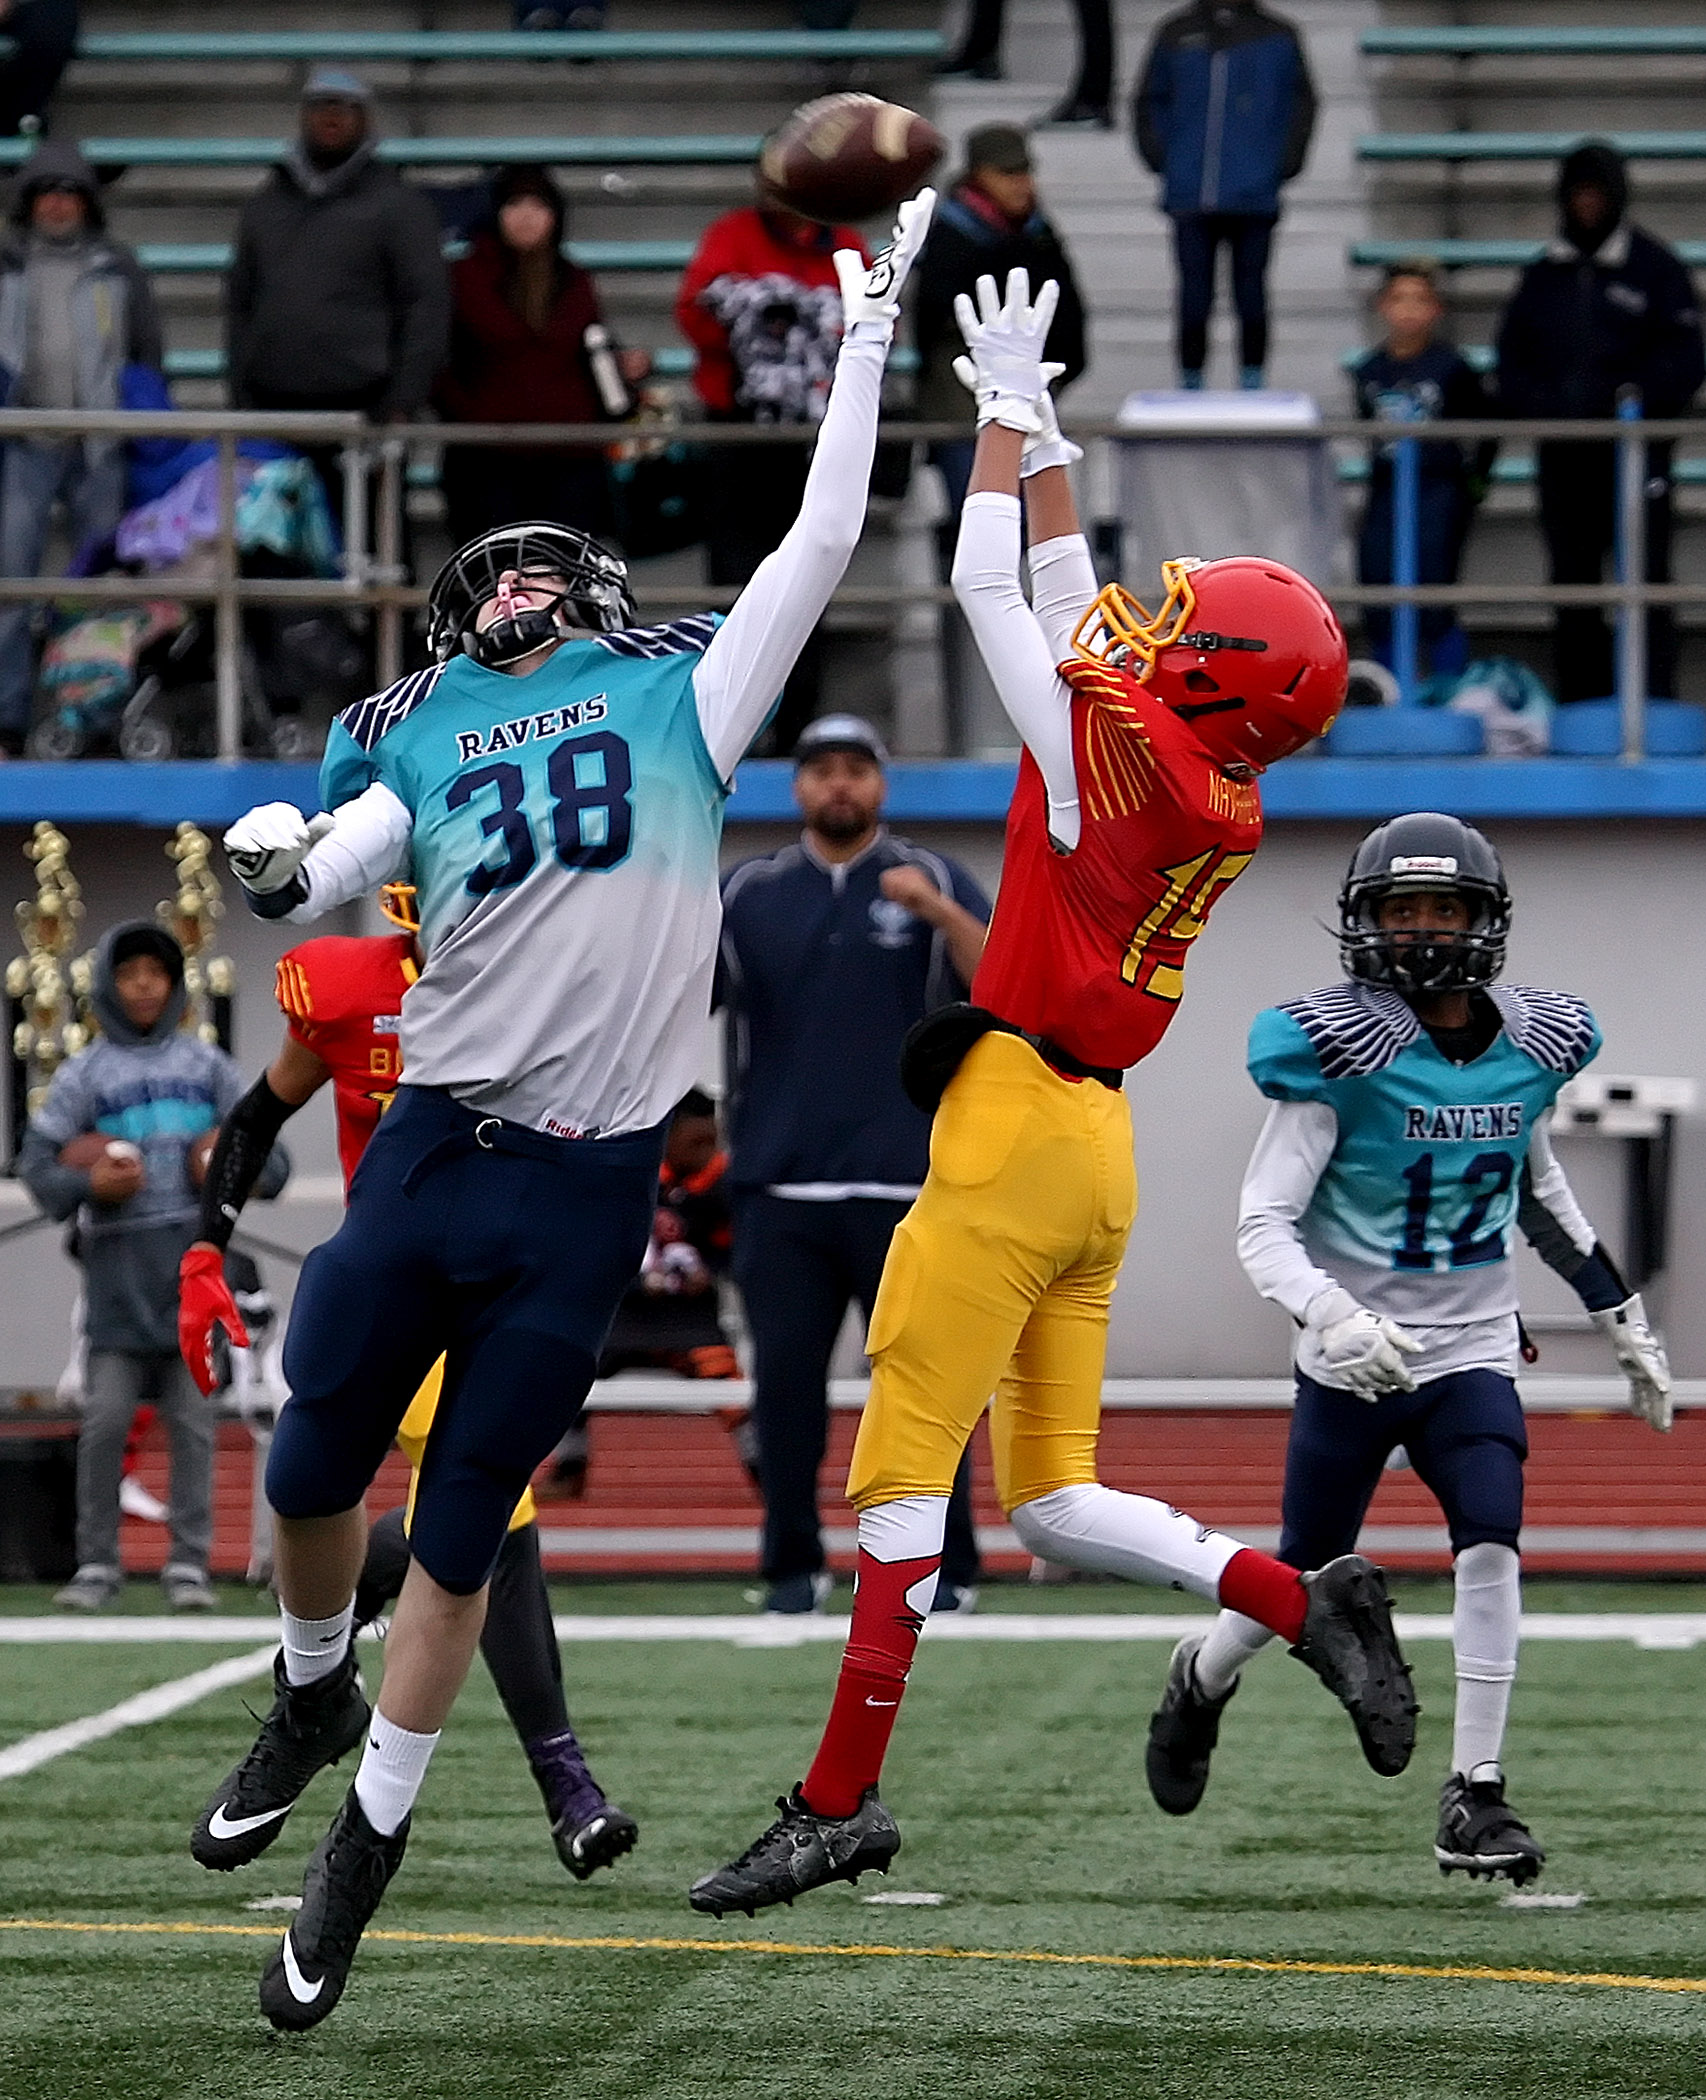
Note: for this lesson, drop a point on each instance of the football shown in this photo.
(198, 1155)
(849, 157)
(84, 1151)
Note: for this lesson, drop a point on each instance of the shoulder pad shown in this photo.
(368, 720)
(1556, 1029)
(687, 637)
(1354, 1029)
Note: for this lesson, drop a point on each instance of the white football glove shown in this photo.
(1006, 340)
(1045, 447)
(266, 847)
(872, 292)
(1641, 1358)
(1360, 1350)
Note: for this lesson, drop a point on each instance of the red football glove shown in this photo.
(205, 1303)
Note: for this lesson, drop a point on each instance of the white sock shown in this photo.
(1131, 1535)
(313, 1648)
(392, 1768)
(1227, 1647)
(1485, 1629)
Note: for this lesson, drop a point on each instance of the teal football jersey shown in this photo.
(1414, 1211)
(564, 852)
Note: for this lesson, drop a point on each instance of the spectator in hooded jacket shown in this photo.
(990, 223)
(528, 344)
(1607, 306)
(338, 296)
(75, 310)
(760, 305)
(154, 1089)
(1223, 114)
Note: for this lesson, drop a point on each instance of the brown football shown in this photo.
(198, 1155)
(85, 1150)
(849, 157)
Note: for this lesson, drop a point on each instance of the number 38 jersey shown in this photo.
(1414, 1210)
(564, 849)
(1089, 948)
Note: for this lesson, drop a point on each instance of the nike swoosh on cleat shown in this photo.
(220, 1825)
(578, 1843)
(301, 1989)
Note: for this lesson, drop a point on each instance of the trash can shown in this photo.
(38, 1502)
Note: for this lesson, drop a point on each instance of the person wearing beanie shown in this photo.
(75, 309)
(1607, 306)
(152, 1089)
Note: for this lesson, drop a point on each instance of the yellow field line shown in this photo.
(1237, 1964)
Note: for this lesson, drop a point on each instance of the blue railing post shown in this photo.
(1631, 574)
(1406, 524)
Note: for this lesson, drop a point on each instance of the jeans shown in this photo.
(799, 1266)
(1197, 241)
(118, 1382)
(1443, 514)
(1095, 81)
(33, 478)
(1578, 515)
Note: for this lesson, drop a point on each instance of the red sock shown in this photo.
(868, 1692)
(1265, 1590)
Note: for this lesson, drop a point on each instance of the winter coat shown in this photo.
(504, 370)
(1439, 383)
(338, 287)
(1224, 109)
(762, 307)
(159, 1090)
(969, 239)
(1581, 326)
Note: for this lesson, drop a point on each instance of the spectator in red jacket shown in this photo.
(528, 344)
(759, 304)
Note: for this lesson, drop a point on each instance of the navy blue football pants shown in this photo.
(502, 1249)
(1466, 1440)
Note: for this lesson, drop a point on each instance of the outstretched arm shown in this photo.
(759, 643)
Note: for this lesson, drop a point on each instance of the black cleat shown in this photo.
(588, 1831)
(308, 1727)
(350, 1871)
(801, 1850)
(1479, 1835)
(1183, 1731)
(1348, 1641)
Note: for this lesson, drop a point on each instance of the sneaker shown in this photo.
(188, 1589)
(1479, 1834)
(801, 1850)
(588, 1831)
(1183, 1731)
(955, 1596)
(350, 1871)
(89, 1589)
(1348, 1641)
(308, 1726)
(795, 1595)
(1073, 115)
(134, 1500)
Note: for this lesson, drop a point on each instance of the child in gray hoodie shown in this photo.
(155, 1088)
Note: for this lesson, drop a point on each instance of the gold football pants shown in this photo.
(412, 1434)
(998, 1280)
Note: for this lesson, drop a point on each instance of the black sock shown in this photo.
(520, 1643)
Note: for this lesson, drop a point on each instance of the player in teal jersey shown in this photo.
(1407, 1139)
(554, 787)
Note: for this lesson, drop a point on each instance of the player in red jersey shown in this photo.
(1136, 805)
(341, 1000)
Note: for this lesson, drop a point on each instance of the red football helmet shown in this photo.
(1245, 650)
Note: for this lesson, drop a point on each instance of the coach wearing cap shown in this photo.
(831, 949)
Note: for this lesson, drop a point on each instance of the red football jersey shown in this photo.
(343, 1000)
(1088, 948)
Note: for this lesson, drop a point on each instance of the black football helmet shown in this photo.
(1424, 851)
(595, 594)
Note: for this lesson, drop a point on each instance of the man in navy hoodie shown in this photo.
(1223, 113)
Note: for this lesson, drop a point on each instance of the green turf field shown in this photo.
(1017, 1781)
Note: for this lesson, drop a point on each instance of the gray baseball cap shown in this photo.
(333, 84)
(840, 733)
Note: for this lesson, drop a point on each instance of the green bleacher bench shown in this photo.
(213, 258)
(1506, 40)
(1526, 145)
(582, 151)
(1478, 255)
(669, 361)
(372, 47)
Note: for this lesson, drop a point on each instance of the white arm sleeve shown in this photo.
(368, 844)
(1063, 587)
(1548, 1186)
(1296, 1143)
(756, 647)
(1016, 651)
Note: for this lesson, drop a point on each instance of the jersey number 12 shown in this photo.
(1490, 1175)
(592, 819)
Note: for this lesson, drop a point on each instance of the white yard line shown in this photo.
(1658, 1629)
(152, 1705)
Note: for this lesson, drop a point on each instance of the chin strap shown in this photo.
(515, 634)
